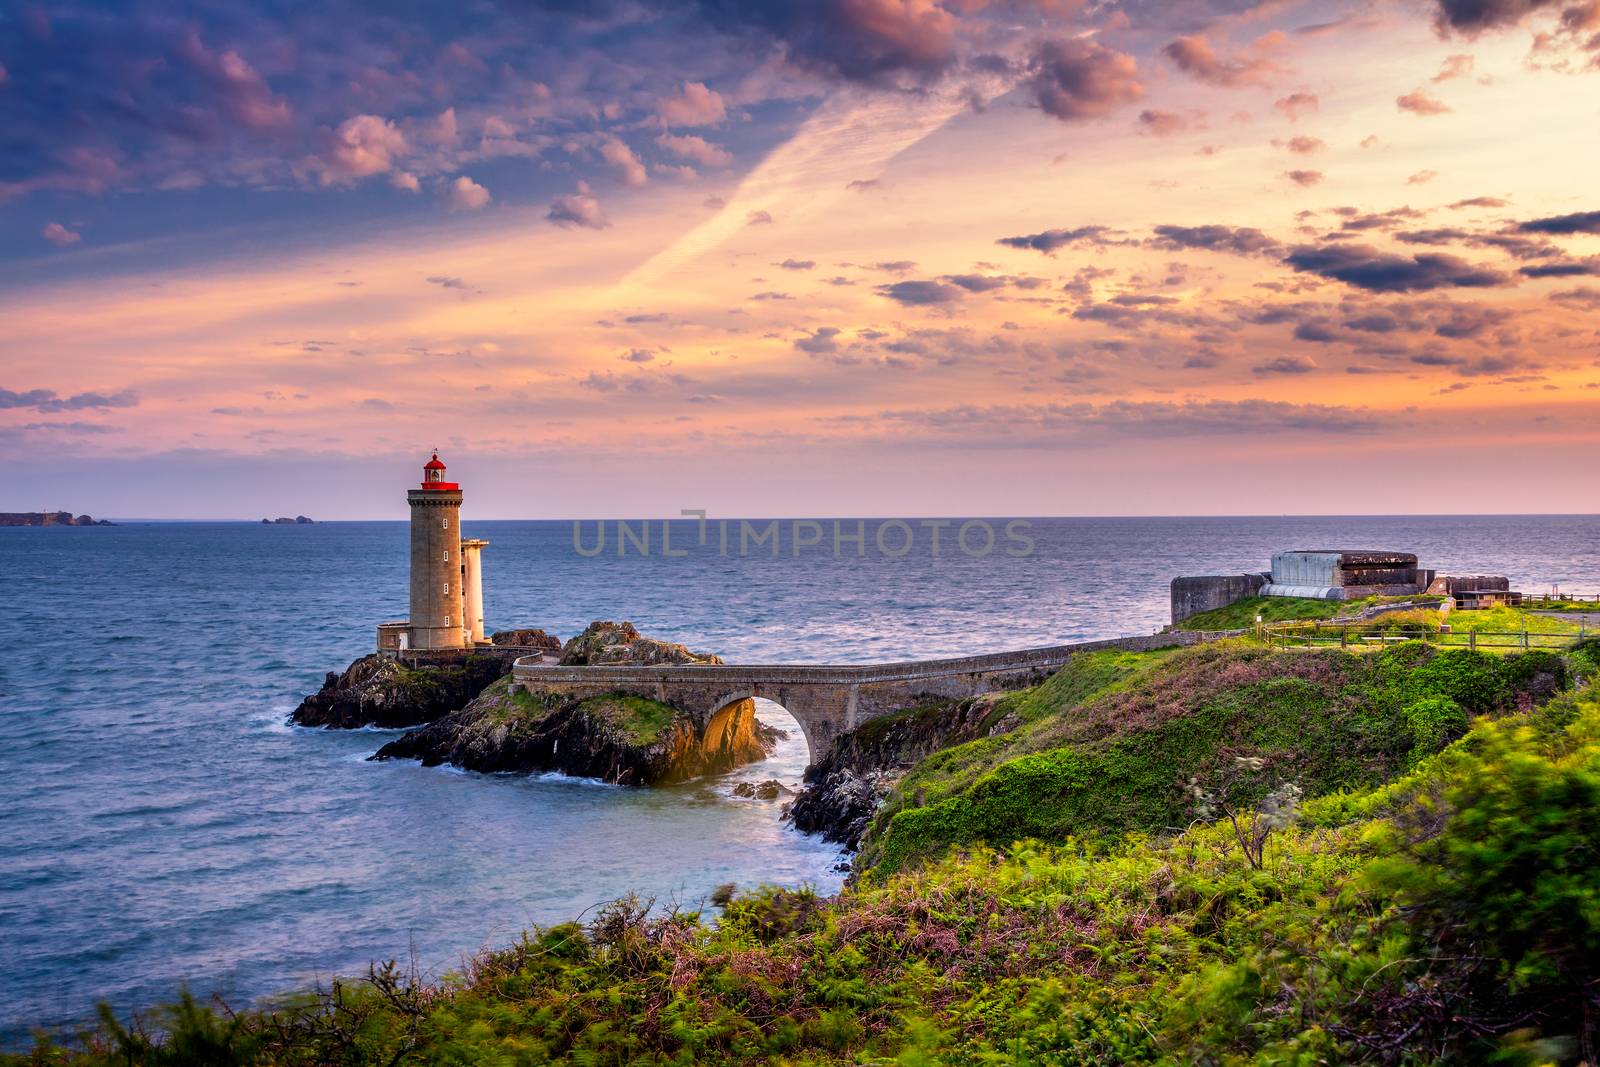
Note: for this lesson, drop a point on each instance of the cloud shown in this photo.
(59, 235)
(821, 342)
(1286, 365)
(1296, 104)
(798, 264)
(46, 400)
(1422, 177)
(698, 149)
(1196, 57)
(1580, 222)
(637, 355)
(1568, 269)
(1456, 66)
(1474, 16)
(1305, 178)
(1584, 296)
(1303, 146)
(922, 293)
(1074, 79)
(446, 281)
(1241, 241)
(406, 181)
(1382, 272)
(1050, 240)
(362, 146)
(467, 195)
(1136, 419)
(980, 283)
(242, 92)
(577, 209)
(1162, 123)
(1479, 201)
(692, 105)
(626, 165)
(858, 40)
(1418, 102)
(758, 218)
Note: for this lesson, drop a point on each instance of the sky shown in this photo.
(847, 257)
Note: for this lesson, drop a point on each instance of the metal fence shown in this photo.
(1366, 635)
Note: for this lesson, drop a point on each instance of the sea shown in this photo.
(162, 826)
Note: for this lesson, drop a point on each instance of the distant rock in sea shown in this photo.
(298, 520)
(49, 518)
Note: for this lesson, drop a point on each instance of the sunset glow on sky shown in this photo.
(849, 257)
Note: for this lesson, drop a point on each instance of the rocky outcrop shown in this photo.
(534, 640)
(618, 643)
(844, 788)
(624, 740)
(49, 518)
(284, 520)
(374, 691)
(627, 740)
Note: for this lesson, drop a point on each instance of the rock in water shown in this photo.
(619, 642)
(627, 740)
(531, 639)
(374, 691)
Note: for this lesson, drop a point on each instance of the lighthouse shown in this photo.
(446, 572)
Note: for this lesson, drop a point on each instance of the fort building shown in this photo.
(1336, 574)
(446, 573)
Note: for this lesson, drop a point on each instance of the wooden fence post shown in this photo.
(1472, 640)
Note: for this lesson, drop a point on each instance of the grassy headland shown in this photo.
(1223, 854)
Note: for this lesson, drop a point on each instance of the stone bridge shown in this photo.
(825, 699)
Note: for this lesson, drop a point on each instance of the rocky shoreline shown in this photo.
(468, 713)
(844, 788)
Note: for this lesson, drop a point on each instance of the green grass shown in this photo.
(1507, 620)
(1241, 615)
(1103, 751)
(1448, 915)
(641, 721)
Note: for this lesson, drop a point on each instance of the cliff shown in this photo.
(844, 788)
(1268, 857)
(624, 740)
(374, 691)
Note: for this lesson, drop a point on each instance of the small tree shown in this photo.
(1252, 824)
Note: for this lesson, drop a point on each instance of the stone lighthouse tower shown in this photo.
(446, 578)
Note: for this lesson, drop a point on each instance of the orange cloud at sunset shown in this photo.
(1001, 291)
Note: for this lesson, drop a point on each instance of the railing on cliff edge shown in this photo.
(1318, 633)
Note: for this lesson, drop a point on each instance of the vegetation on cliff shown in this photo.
(1223, 854)
(1450, 913)
(615, 737)
(1113, 741)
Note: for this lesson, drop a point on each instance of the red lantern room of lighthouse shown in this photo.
(433, 475)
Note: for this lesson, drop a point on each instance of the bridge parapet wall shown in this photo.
(826, 699)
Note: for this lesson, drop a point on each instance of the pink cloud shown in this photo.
(363, 146)
(578, 209)
(694, 105)
(468, 195)
(696, 148)
(59, 235)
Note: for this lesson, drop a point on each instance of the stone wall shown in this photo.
(1192, 595)
(826, 699)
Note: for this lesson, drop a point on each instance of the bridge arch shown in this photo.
(826, 700)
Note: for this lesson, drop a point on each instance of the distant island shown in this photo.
(299, 520)
(51, 518)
